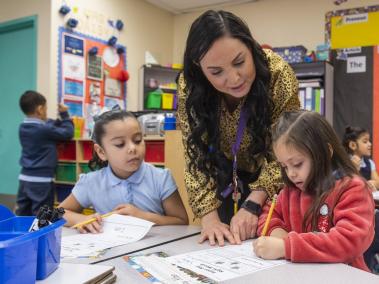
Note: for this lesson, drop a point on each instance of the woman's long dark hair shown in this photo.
(204, 100)
(311, 134)
(99, 131)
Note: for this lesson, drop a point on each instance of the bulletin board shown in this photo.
(352, 27)
(86, 80)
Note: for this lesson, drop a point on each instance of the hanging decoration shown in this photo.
(64, 10)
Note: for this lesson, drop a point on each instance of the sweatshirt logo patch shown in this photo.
(323, 219)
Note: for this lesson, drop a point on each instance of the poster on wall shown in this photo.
(355, 27)
(73, 67)
(89, 84)
(73, 74)
(75, 108)
(109, 103)
(113, 88)
(73, 87)
(95, 67)
(353, 36)
(73, 45)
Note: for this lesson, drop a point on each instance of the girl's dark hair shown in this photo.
(352, 134)
(99, 131)
(204, 100)
(311, 134)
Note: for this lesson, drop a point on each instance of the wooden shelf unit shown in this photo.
(153, 77)
(73, 158)
(316, 86)
(155, 150)
(174, 160)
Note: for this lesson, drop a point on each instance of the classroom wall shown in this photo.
(146, 27)
(275, 22)
(15, 9)
(150, 28)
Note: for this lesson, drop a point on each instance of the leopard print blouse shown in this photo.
(284, 90)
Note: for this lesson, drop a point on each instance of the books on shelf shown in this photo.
(313, 99)
(313, 83)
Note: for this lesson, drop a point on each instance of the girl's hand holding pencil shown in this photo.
(269, 247)
(91, 223)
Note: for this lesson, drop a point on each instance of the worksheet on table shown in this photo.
(224, 263)
(117, 230)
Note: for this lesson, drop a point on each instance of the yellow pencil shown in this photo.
(264, 231)
(91, 220)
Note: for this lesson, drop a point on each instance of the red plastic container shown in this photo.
(154, 151)
(87, 147)
(66, 150)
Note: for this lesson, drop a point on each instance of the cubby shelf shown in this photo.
(316, 87)
(73, 157)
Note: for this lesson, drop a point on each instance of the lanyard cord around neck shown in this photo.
(233, 187)
(241, 128)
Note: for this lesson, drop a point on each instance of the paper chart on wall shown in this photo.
(112, 88)
(73, 67)
(224, 263)
(117, 230)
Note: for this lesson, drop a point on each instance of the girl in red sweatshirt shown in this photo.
(325, 212)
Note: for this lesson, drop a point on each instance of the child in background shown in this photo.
(356, 141)
(38, 138)
(124, 182)
(325, 212)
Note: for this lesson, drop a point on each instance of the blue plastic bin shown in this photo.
(5, 213)
(27, 256)
(169, 122)
(49, 249)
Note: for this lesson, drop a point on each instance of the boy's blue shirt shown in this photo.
(38, 140)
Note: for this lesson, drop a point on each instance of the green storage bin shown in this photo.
(84, 168)
(66, 172)
(154, 100)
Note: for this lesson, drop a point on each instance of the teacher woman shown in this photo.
(229, 94)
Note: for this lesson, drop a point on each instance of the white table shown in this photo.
(158, 235)
(291, 273)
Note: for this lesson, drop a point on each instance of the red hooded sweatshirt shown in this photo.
(342, 238)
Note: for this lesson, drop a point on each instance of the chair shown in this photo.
(371, 256)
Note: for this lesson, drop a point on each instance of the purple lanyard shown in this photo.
(235, 147)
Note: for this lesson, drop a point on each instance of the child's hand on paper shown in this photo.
(269, 247)
(128, 209)
(93, 227)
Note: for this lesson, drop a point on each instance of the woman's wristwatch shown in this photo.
(252, 207)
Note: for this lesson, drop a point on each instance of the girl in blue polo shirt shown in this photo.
(124, 182)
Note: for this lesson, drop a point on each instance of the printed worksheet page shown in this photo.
(223, 263)
(117, 230)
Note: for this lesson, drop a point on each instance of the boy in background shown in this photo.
(38, 138)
